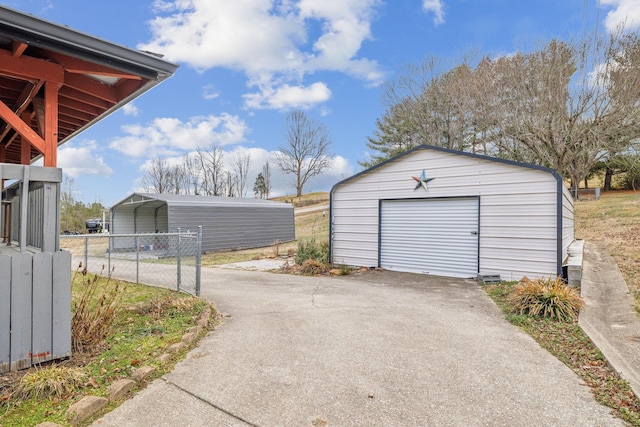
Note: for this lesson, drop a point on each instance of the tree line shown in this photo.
(305, 154)
(568, 105)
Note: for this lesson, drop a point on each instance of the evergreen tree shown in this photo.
(260, 187)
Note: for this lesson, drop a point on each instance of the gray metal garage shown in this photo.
(227, 222)
(449, 213)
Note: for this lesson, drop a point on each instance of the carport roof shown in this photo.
(151, 199)
(56, 82)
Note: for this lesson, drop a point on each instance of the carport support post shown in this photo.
(198, 260)
(179, 272)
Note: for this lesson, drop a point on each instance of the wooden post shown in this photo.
(51, 124)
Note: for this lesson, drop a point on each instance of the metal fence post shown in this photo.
(198, 260)
(109, 246)
(178, 261)
(137, 240)
(86, 253)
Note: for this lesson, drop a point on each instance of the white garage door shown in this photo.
(430, 236)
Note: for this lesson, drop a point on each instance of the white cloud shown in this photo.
(437, 8)
(286, 97)
(130, 109)
(624, 13)
(271, 41)
(82, 159)
(171, 137)
(210, 92)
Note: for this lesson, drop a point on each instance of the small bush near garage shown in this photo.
(550, 298)
(312, 249)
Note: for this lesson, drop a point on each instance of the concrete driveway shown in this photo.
(377, 349)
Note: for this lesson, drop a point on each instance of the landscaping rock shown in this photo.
(195, 329)
(85, 408)
(48, 424)
(188, 338)
(119, 389)
(141, 374)
(175, 348)
(164, 358)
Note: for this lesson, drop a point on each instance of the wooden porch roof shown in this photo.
(56, 82)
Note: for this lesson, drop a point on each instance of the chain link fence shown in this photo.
(169, 260)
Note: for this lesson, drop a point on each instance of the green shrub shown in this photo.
(550, 298)
(311, 249)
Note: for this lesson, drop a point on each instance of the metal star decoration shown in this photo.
(422, 181)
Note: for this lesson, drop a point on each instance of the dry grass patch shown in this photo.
(614, 221)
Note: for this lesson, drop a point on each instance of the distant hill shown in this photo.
(309, 199)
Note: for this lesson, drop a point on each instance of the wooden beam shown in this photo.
(92, 87)
(21, 127)
(27, 68)
(18, 48)
(25, 148)
(51, 124)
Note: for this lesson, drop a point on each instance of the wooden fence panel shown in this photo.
(5, 312)
(41, 325)
(35, 309)
(21, 297)
(61, 304)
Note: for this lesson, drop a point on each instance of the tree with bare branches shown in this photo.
(240, 168)
(306, 152)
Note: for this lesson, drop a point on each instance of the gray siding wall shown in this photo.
(518, 210)
(235, 227)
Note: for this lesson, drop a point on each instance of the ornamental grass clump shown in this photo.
(53, 381)
(550, 298)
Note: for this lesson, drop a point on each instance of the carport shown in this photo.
(227, 222)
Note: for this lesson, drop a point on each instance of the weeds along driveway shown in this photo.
(378, 349)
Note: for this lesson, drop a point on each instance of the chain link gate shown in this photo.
(169, 260)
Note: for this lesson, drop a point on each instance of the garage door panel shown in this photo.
(431, 236)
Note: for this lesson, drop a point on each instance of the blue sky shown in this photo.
(245, 64)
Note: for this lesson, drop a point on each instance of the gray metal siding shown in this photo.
(519, 210)
(235, 227)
